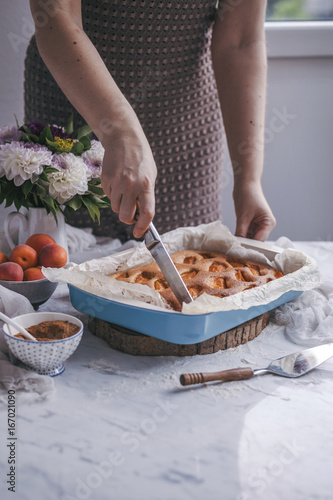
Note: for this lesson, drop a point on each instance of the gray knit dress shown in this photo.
(158, 52)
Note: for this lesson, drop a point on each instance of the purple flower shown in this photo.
(95, 169)
(93, 158)
(10, 134)
(36, 128)
(60, 132)
(32, 145)
(59, 161)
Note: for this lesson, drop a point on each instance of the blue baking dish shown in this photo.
(169, 326)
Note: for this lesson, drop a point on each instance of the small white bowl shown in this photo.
(44, 357)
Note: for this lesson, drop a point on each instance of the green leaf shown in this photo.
(43, 176)
(92, 209)
(51, 205)
(77, 148)
(94, 181)
(104, 203)
(59, 209)
(17, 203)
(94, 199)
(96, 190)
(86, 201)
(75, 203)
(9, 199)
(3, 190)
(97, 213)
(40, 189)
(94, 212)
(52, 146)
(32, 138)
(35, 200)
(50, 170)
(69, 129)
(49, 200)
(45, 134)
(82, 131)
(54, 213)
(26, 129)
(86, 142)
(27, 187)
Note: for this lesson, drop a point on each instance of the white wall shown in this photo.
(299, 160)
(298, 176)
(15, 31)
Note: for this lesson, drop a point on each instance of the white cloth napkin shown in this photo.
(31, 386)
(78, 239)
(308, 320)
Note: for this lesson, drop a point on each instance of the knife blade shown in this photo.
(155, 245)
(293, 365)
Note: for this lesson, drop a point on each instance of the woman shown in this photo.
(151, 78)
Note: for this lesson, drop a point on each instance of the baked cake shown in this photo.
(213, 273)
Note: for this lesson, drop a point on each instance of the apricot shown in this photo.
(25, 256)
(52, 256)
(39, 240)
(11, 271)
(33, 273)
(3, 258)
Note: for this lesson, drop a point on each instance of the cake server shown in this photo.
(155, 246)
(293, 365)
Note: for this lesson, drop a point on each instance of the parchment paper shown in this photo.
(301, 272)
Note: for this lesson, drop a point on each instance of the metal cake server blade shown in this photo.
(159, 252)
(293, 365)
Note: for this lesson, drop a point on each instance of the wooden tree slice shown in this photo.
(135, 343)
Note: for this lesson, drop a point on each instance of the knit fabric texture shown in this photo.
(158, 53)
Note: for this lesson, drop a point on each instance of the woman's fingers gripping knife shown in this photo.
(146, 212)
(132, 192)
(128, 176)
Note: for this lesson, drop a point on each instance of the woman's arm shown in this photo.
(239, 61)
(129, 170)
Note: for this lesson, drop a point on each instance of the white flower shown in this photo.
(70, 179)
(93, 158)
(21, 161)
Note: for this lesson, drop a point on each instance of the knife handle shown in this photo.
(201, 378)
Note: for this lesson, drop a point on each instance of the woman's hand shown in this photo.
(128, 178)
(254, 218)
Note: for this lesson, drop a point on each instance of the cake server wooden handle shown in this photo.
(201, 378)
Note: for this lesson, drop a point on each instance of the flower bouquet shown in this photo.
(51, 167)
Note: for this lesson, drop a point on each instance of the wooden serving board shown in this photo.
(135, 343)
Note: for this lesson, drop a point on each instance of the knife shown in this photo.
(293, 365)
(155, 245)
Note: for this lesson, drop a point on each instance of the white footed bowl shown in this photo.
(44, 357)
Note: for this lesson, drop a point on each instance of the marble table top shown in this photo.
(122, 427)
